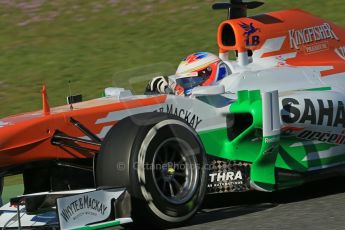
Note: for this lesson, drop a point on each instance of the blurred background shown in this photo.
(100, 43)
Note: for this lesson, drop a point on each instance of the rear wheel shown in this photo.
(166, 168)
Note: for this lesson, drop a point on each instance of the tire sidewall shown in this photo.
(141, 177)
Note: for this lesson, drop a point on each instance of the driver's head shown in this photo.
(198, 69)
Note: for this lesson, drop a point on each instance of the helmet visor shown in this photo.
(189, 82)
(195, 78)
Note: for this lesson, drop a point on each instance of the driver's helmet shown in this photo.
(198, 69)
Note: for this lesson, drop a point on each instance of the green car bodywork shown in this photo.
(265, 154)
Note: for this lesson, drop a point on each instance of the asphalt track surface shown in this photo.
(318, 205)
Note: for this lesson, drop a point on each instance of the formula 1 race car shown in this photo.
(277, 121)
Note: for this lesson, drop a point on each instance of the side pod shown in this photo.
(263, 169)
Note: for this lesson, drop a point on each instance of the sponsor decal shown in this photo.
(310, 49)
(227, 176)
(311, 34)
(192, 119)
(341, 52)
(82, 206)
(80, 210)
(327, 137)
(225, 179)
(250, 29)
(272, 139)
(326, 112)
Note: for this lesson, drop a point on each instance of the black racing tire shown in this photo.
(166, 195)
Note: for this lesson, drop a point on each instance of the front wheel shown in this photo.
(166, 167)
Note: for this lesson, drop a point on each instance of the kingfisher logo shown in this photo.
(311, 34)
(341, 52)
(251, 40)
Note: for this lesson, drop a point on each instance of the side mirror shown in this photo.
(208, 90)
(74, 99)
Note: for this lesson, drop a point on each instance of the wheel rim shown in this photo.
(175, 170)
